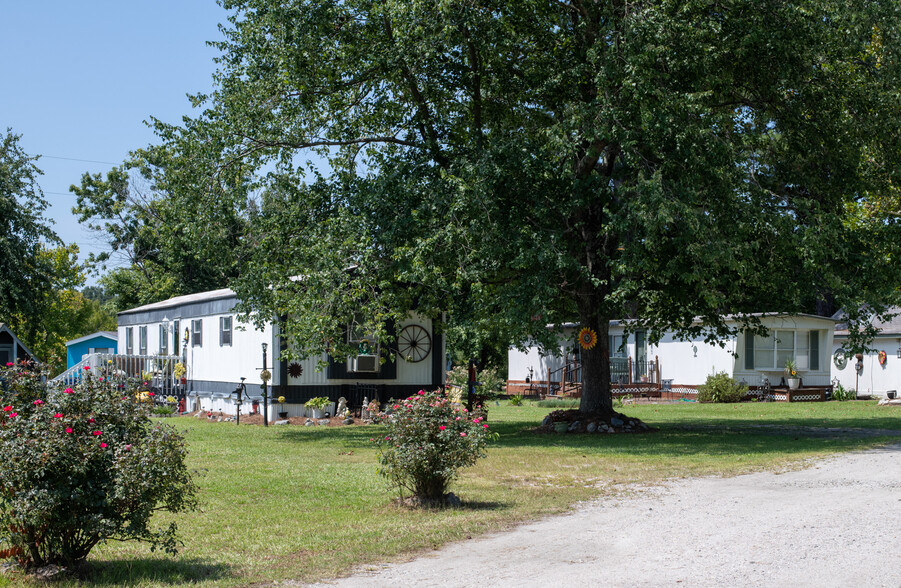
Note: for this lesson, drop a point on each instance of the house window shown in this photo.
(225, 331)
(617, 345)
(175, 326)
(142, 340)
(197, 333)
(771, 352)
(164, 340)
(367, 360)
(129, 340)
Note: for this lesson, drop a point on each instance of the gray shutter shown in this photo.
(815, 350)
(749, 351)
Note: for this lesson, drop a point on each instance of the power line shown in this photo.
(76, 159)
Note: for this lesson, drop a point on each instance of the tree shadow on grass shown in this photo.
(678, 438)
(484, 505)
(131, 571)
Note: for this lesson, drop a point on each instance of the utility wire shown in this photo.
(76, 159)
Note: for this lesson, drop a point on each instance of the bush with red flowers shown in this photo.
(83, 465)
(427, 439)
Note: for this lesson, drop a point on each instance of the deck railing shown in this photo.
(128, 370)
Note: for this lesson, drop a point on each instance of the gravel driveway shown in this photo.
(836, 523)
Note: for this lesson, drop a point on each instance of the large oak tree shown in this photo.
(540, 161)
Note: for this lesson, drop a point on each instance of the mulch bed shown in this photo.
(257, 419)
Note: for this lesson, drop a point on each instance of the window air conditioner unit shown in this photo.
(366, 363)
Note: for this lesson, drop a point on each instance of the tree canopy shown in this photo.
(25, 275)
(524, 163)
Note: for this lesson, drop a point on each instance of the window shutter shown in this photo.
(749, 351)
(815, 350)
(221, 330)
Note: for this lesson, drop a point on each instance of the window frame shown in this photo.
(197, 333)
(129, 340)
(225, 333)
(164, 339)
(142, 340)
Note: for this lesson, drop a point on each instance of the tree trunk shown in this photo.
(596, 396)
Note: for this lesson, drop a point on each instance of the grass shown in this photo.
(306, 502)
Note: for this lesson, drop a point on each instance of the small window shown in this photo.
(197, 333)
(367, 360)
(129, 340)
(142, 340)
(164, 340)
(225, 331)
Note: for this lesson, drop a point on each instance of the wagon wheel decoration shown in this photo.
(587, 338)
(414, 343)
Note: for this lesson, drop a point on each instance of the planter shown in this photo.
(183, 381)
(561, 427)
(283, 415)
(793, 383)
(318, 413)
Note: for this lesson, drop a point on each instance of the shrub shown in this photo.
(721, 388)
(516, 400)
(558, 403)
(81, 466)
(492, 383)
(427, 439)
(842, 394)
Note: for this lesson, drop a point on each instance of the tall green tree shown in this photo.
(177, 233)
(534, 162)
(25, 276)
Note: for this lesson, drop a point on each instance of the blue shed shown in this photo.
(99, 342)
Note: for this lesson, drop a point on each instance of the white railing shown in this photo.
(127, 369)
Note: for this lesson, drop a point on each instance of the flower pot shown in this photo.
(793, 383)
(283, 415)
(561, 427)
(318, 413)
(183, 381)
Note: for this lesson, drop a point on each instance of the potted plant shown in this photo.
(317, 405)
(283, 414)
(791, 374)
(179, 372)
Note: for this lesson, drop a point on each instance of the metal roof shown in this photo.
(108, 334)
(180, 300)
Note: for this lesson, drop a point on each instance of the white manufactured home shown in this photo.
(875, 372)
(677, 366)
(218, 351)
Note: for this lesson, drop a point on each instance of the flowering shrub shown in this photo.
(427, 439)
(82, 465)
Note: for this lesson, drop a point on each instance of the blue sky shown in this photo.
(78, 80)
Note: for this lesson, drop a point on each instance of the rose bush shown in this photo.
(83, 465)
(427, 440)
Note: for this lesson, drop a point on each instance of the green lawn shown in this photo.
(306, 502)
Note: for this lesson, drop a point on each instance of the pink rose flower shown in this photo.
(97, 433)
(462, 434)
(38, 402)
(13, 414)
(69, 390)
(441, 428)
(486, 426)
(422, 392)
(103, 446)
(58, 415)
(68, 429)
(9, 364)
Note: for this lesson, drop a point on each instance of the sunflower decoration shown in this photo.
(588, 338)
